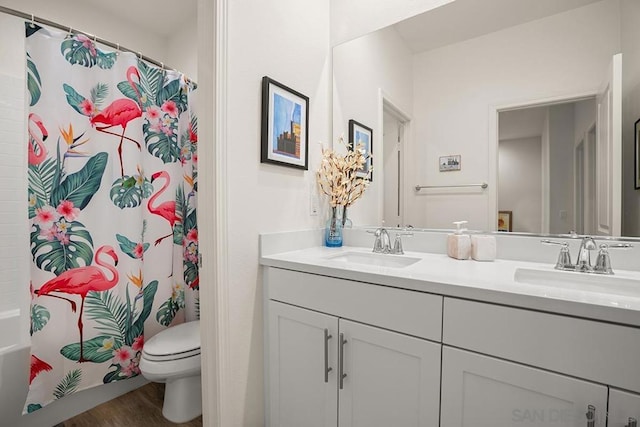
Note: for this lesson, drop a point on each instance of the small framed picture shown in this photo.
(450, 163)
(636, 168)
(285, 126)
(505, 221)
(360, 134)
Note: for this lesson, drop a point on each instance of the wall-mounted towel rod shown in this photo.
(481, 185)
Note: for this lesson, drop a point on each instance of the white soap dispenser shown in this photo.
(458, 243)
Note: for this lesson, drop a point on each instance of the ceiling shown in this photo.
(160, 17)
(466, 19)
(522, 123)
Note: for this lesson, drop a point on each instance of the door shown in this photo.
(580, 186)
(609, 151)
(481, 391)
(623, 408)
(302, 367)
(393, 130)
(391, 379)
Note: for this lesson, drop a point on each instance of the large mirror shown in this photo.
(515, 115)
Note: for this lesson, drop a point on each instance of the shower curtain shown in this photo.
(112, 156)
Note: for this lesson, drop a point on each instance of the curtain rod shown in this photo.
(38, 20)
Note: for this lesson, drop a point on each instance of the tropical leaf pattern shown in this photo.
(135, 250)
(62, 246)
(81, 50)
(113, 248)
(79, 187)
(168, 310)
(130, 191)
(34, 84)
(41, 178)
(39, 317)
(69, 384)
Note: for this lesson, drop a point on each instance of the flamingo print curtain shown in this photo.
(112, 208)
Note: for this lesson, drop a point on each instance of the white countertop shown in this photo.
(491, 282)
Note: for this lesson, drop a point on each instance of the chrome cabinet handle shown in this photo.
(632, 422)
(327, 368)
(591, 416)
(341, 361)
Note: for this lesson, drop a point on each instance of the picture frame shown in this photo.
(450, 163)
(285, 126)
(505, 220)
(636, 145)
(360, 133)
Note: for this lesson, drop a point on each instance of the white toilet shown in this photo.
(173, 357)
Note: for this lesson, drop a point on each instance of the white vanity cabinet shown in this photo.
(330, 369)
(482, 391)
(346, 353)
(624, 408)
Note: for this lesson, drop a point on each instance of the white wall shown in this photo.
(455, 87)
(520, 182)
(630, 24)
(14, 232)
(586, 113)
(354, 18)
(14, 252)
(287, 40)
(182, 51)
(385, 62)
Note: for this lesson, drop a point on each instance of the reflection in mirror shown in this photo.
(456, 73)
(547, 167)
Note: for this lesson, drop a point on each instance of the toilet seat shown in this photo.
(170, 357)
(174, 343)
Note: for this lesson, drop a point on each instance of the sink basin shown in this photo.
(380, 260)
(580, 281)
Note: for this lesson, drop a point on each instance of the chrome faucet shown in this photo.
(583, 262)
(382, 244)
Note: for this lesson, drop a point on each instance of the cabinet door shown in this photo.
(622, 407)
(300, 393)
(480, 391)
(391, 379)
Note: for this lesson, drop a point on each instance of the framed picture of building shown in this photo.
(450, 163)
(285, 126)
(362, 136)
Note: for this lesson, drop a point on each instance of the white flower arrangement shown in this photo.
(337, 176)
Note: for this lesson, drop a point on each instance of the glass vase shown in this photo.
(333, 231)
(346, 221)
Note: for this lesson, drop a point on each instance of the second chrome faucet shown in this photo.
(583, 262)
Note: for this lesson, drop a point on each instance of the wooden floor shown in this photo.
(139, 408)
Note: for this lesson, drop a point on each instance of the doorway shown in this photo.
(394, 124)
(545, 166)
(585, 183)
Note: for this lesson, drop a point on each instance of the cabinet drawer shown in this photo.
(482, 391)
(587, 349)
(410, 312)
(622, 407)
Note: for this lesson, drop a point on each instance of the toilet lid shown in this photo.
(183, 339)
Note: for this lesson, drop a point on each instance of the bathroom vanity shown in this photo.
(351, 340)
